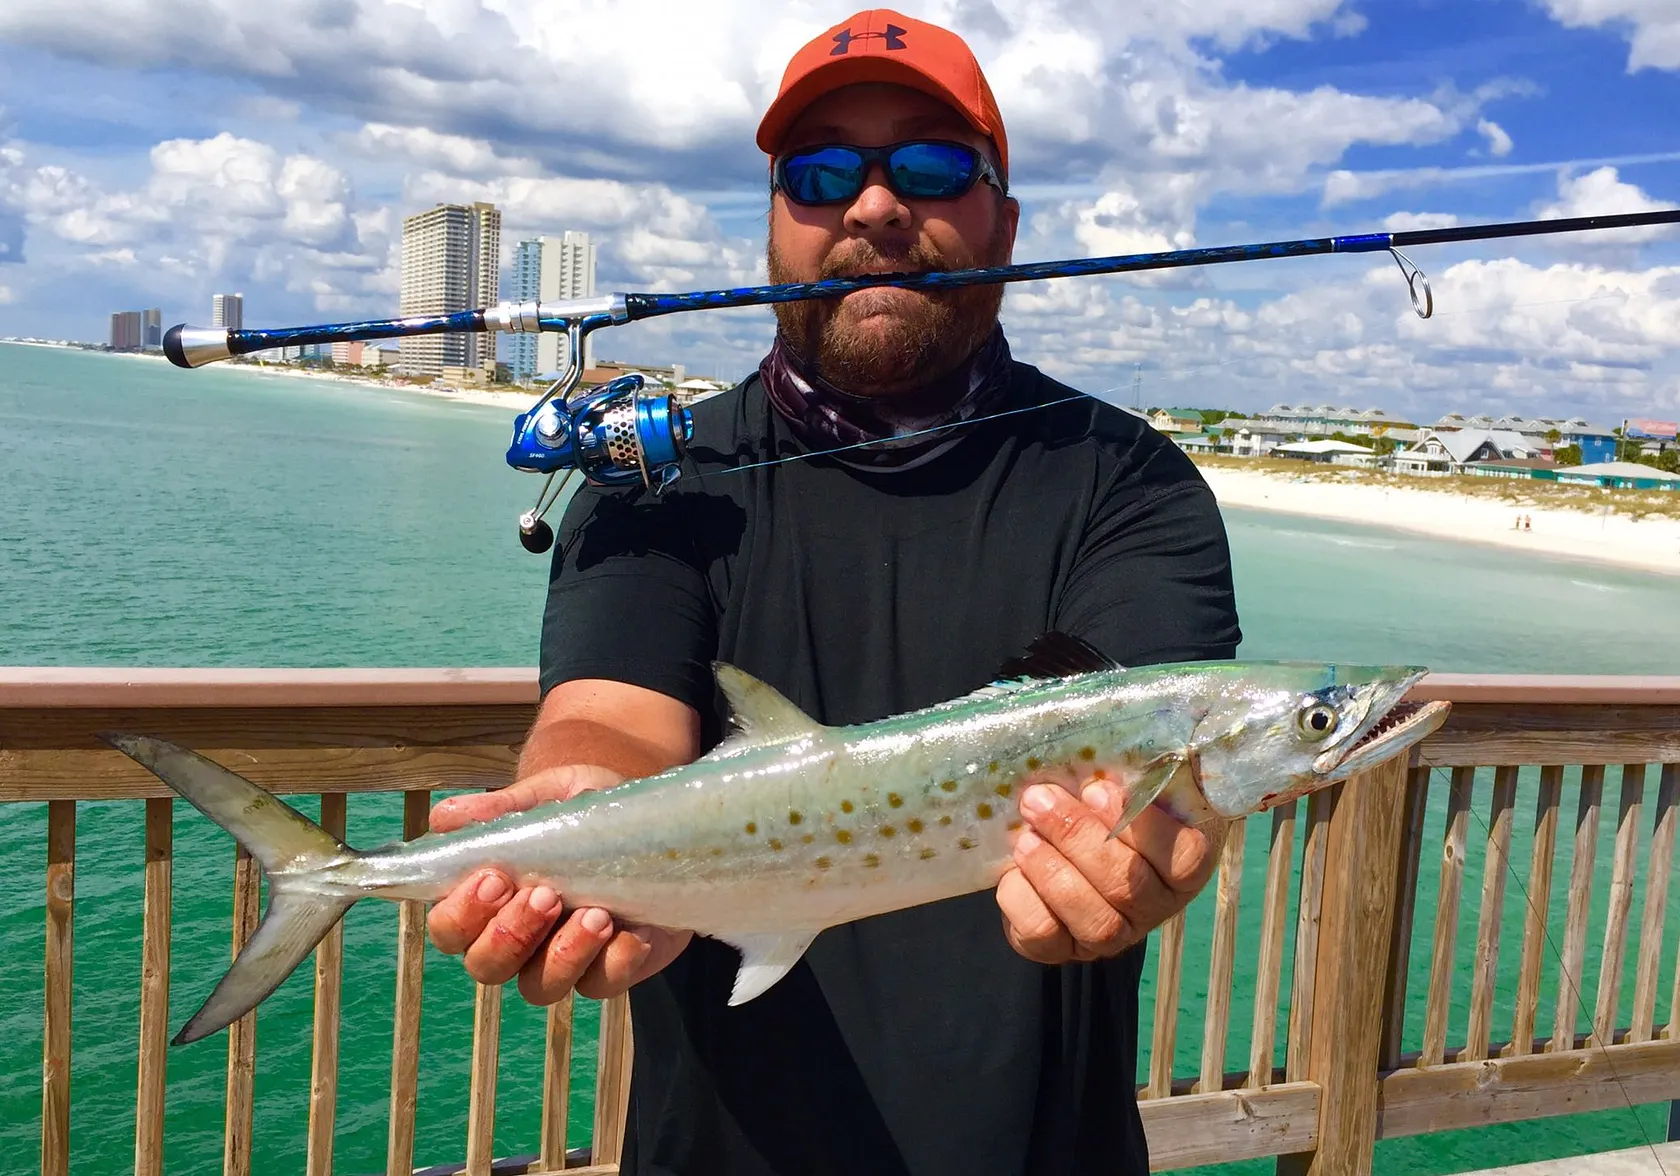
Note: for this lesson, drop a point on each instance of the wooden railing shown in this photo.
(1353, 940)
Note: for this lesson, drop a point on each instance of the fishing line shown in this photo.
(1563, 970)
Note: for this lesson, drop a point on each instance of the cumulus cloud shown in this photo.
(1652, 26)
(1407, 222)
(5, 295)
(1601, 192)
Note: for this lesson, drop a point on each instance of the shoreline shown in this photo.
(1651, 544)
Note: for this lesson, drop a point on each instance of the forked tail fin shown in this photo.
(293, 851)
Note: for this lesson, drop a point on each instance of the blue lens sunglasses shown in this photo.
(922, 169)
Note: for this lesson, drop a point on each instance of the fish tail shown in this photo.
(293, 851)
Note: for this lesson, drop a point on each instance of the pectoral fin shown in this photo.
(765, 959)
(1149, 786)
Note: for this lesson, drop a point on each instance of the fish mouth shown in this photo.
(1397, 729)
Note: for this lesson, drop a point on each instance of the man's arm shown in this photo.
(589, 733)
(1152, 583)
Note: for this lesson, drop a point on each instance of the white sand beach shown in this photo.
(1430, 507)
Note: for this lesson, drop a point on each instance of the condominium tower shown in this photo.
(549, 269)
(228, 310)
(451, 258)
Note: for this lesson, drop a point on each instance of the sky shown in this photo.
(154, 153)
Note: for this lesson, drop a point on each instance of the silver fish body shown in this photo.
(790, 827)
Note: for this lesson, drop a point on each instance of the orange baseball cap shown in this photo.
(880, 45)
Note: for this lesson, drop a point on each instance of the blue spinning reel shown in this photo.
(615, 436)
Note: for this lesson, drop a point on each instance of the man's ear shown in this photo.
(1012, 215)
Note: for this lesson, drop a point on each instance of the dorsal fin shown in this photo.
(758, 711)
(1057, 655)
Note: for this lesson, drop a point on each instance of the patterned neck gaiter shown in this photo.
(825, 418)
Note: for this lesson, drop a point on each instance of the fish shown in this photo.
(789, 827)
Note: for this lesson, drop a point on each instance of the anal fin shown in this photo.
(765, 959)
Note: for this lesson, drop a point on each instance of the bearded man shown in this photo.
(886, 568)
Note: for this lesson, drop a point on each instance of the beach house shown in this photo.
(1620, 475)
(1177, 420)
(1447, 451)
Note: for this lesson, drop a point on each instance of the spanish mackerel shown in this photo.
(789, 827)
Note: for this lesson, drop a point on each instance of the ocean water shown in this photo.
(153, 517)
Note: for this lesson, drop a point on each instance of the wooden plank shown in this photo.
(1496, 867)
(1268, 978)
(1474, 1094)
(612, 1085)
(60, 956)
(557, 1087)
(1518, 733)
(154, 989)
(1453, 848)
(1536, 944)
(1221, 960)
(1549, 689)
(481, 1102)
(125, 687)
(1224, 1127)
(323, 1081)
(242, 1034)
(1580, 903)
(1657, 870)
(49, 754)
(1163, 1043)
(1405, 896)
(1309, 916)
(405, 1032)
(1359, 881)
(1621, 904)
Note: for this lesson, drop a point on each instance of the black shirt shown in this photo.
(916, 1043)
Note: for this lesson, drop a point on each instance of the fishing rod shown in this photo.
(619, 434)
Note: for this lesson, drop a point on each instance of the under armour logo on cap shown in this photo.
(844, 38)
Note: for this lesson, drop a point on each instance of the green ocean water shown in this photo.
(153, 517)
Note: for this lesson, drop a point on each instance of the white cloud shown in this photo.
(420, 147)
(5, 295)
(1602, 192)
(1406, 222)
(1652, 26)
(1499, 143)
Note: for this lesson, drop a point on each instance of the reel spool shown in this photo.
(613, 436)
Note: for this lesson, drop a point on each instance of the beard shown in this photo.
(884, 341)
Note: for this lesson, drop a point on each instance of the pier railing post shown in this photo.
(1366, 822)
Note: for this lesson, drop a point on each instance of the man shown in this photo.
(895, 573)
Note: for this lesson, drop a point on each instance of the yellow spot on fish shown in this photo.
(1034, 763)
(808, 838)
(1087, 753)
(845, 806)
(948, 785)
(1004, 789)
(913, 825)
(983, 811)
(871, 861)
(844, 837)
(965, 843)
(1099, 774)
(752, 827)
(895, 799)
(795, 816)
(672, 854)
(928, 852)
(992, 767)
(888, 831)
(1014, 825)
(717, 852)
(775, 844)
(945, 820)
(823, 863)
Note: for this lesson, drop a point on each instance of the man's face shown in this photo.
(887, 340)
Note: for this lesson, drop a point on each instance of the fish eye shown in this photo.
(1316, 721)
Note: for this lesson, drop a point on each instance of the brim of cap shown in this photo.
(787, 108)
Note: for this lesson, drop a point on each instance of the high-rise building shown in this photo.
(125, 331)
(451, 259)
(549, 269)
(151, 329)
(228, 310)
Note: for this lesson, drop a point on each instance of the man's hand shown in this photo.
(1075, 893)
(503, 930)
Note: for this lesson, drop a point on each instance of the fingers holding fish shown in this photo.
(1183, 856)
(460, 917)
(510, 938)
(524, 794)
(1028, 924)
(546, 977)
(1079, 881)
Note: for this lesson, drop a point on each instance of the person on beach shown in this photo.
(896, 568)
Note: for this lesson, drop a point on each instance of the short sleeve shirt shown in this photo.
(916, 1043)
